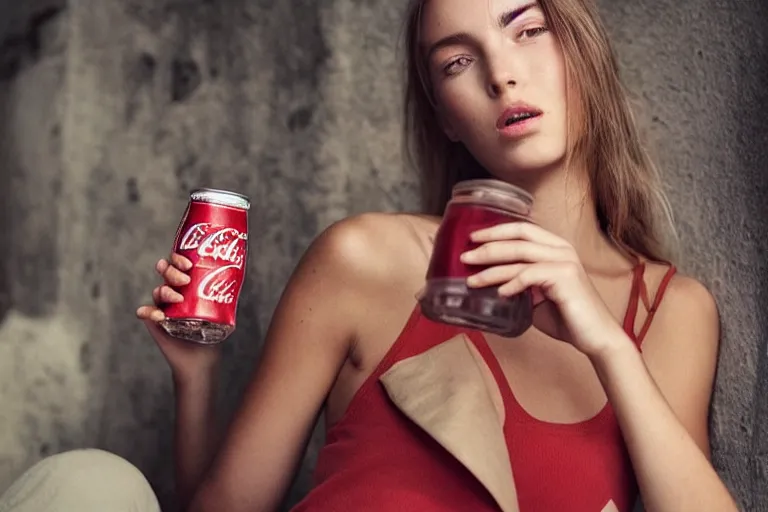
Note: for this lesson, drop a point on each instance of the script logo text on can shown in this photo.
(213, 235)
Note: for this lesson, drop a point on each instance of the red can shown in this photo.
(213, 235)
(474, 205)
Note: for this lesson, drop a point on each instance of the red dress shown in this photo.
(377, 460)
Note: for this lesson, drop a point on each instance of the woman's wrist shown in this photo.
(615, 347)
(201, 377)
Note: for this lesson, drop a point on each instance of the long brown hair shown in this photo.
(631, 205)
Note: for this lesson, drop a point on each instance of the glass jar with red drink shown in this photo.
(474, 205)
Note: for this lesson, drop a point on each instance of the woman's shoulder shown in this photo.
(682, 344)
(377, 245)
(371, 226)
(680, 290)
(684, 302)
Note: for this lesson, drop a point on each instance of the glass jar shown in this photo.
(474, 205)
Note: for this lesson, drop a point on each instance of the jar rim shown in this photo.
(495, 185)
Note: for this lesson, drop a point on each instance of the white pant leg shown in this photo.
(81, 481)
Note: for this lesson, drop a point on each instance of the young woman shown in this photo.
(604, 398)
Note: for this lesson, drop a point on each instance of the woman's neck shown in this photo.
(564, 205)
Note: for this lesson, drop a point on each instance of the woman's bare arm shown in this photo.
(662, 404)
(311, 334)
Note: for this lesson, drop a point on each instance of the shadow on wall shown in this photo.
(5, 206)
(29, 159)
(754, 128)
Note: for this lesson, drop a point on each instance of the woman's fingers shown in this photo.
(164, 294)
(518, 231)
(175, 277)
(173, 272)
(180, 262)
(513, 251)
(495, 275)
(150, 313)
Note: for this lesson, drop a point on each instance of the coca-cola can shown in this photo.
(213, 235)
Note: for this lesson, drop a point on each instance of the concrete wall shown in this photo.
(110, 111)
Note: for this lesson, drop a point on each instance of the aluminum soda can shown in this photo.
(213, 235)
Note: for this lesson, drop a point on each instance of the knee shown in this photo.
(91, 467)
(86, 479)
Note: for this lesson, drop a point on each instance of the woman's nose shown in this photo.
(502, 73)
(496, 87)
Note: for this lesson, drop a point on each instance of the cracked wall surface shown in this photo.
(110, 111)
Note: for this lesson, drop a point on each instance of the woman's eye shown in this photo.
(456, 65)
(532, 32)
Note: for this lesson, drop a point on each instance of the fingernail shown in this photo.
(472, 281)
(466, 257)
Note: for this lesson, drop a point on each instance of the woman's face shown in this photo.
(498, 78)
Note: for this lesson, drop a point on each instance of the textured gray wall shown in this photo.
(110, 111)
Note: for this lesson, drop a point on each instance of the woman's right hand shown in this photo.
(186, 359)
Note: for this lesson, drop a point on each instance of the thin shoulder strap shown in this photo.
(634, 297)
(481, 344)
(656, 303)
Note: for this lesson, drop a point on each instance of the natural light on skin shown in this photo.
(486, 57)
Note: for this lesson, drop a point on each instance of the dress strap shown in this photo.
(481, 344)
(638, 287)
(656, 303)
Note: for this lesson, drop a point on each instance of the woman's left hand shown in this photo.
(522, 255)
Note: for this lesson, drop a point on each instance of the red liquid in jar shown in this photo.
(447, 298)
